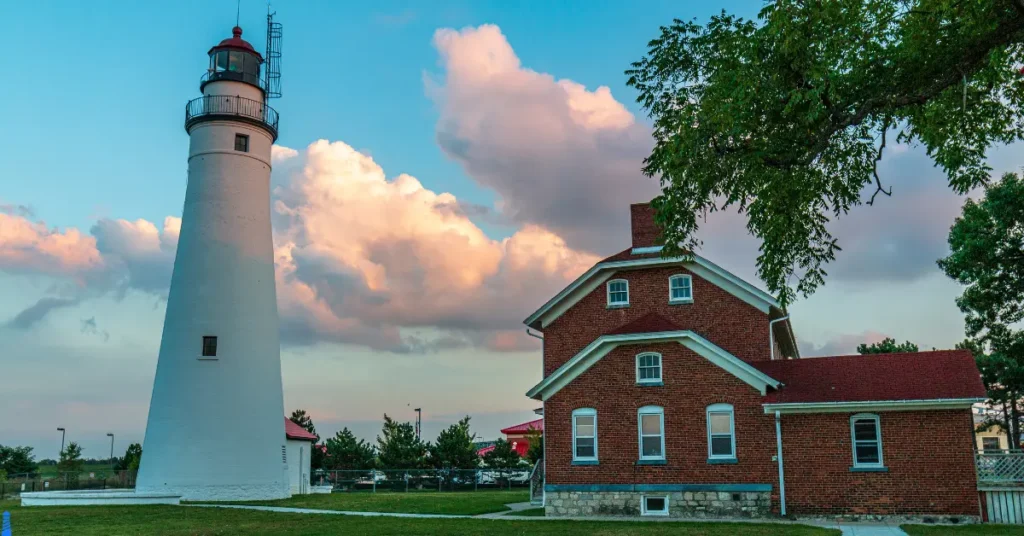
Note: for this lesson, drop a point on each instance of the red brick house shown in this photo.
(672, 387)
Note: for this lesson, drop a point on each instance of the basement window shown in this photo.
(242, 142)
(654, 505)
(209, 346)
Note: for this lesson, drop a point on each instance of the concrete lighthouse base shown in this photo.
(96, 498)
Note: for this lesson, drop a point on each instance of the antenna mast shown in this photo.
(272, 73)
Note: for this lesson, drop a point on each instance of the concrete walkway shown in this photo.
(848, 529)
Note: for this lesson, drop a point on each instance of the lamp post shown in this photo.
(419, 421)
(61, 430)
(111, 450)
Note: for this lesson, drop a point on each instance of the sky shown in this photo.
(441, 172)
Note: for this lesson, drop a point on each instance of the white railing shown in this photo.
(1000, 467)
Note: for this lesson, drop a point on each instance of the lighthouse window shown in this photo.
(209, 346)
(242, 143)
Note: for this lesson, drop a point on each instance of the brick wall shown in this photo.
(716, 315)
(644, 230)
(691, 383)
(929, 455)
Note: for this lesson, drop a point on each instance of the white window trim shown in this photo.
(643, 505)
(722, 408)
(650, 410)
(608, 293)
(661, 369)
(680, 300)
(878, 440)
(584, 412)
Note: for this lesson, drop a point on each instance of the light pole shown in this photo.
(419, 421)
(111, 450)
(61, 430)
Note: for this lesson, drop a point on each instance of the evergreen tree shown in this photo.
(316, 457)
(454, 447)
(344, 451)
(398, 447)
(887, 346)
(17, 460)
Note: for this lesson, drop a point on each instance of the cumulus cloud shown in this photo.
(560, 156)
(363, 257)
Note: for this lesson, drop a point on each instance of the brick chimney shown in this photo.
(646, 233)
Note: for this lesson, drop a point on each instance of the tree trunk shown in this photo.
(1014, 422)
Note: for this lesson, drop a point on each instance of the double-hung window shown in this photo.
(721, 432)
(652, 433)
(584, 435)
(648, 368)
(680, 289)
(618, 293)
(866, 430)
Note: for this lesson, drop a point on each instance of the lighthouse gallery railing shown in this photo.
(232, 107)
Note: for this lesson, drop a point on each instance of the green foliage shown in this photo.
(454, 447)
(71, 458)
(398, 447)
(536, 452)
(299, 417)
(785, 119)
(344, 451)
(130, 460)
(17, 460)
(887, 346)
(987, 257)
(3, 475)
(502, 456)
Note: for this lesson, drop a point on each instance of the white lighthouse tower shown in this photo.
(216, 418)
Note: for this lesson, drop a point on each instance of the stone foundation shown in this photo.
(692, 504)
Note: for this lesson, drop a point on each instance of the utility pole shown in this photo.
(419, 421)
(111, 450)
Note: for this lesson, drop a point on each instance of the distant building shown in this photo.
(518, 435)
(298, 443)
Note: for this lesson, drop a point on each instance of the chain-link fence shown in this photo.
(407, 480)
(16, 484)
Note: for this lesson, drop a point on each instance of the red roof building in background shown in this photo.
(294, 431)
(518, 436)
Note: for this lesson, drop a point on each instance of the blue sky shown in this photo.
(514, 117)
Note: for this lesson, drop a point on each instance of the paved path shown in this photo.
(848, 529)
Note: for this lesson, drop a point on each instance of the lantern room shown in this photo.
(234, 59)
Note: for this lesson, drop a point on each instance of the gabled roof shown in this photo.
(294, 431)
(944, 377)
(604, 344)
(635, 259)
(537, 425)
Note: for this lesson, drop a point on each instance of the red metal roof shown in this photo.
(236, 42)
(537, 425)
(935, 375)
(649, 323)
(294, 431)
(521, 448)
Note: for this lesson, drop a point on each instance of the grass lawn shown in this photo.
(173, 520)
(966, 530)
(413, 502)
(531, 512)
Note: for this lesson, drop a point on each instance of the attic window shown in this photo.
(618, 293)
(680, 289)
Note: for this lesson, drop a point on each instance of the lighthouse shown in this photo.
(215, 429)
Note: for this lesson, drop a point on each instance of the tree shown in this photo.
(987, 257)
(316, 457)
(454, 447)
(502, 456)
(344, 451)
(887, 346)
(398, 447)
(131, 459)
(536, 452)
(70, 459)
(786, 119)
(17, 460)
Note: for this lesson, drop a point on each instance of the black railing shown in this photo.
(231, 107)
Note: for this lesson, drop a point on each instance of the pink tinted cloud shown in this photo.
(31, 247)
(560, 156)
